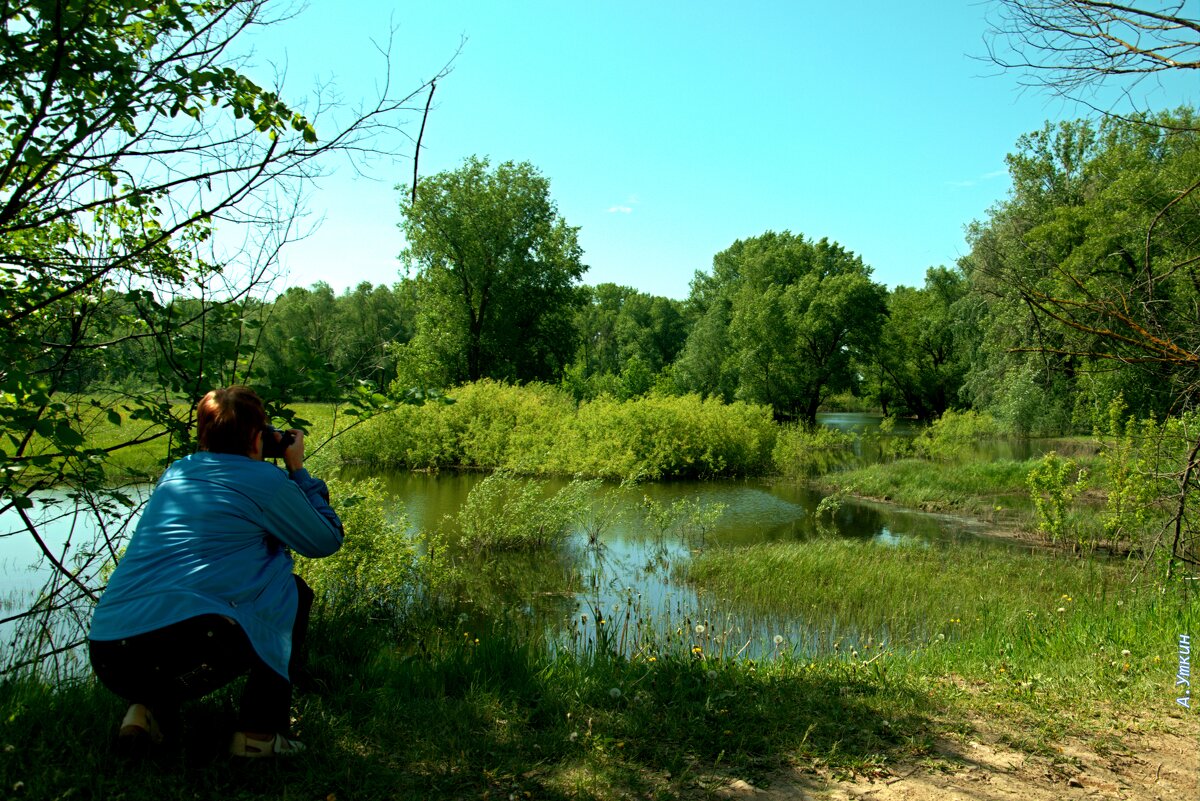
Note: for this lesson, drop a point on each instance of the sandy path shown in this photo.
(1148, 759)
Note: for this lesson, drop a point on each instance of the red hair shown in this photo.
(228, 420)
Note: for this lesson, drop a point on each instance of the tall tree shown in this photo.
(619, 323)
(499, 271)
(920, 351)
(798, 311)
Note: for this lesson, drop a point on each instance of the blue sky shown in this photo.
(668, 130)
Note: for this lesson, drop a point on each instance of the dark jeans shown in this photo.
(190, 659)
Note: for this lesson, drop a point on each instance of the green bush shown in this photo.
(954, 435)
(503, 513)
(538, 430)
(1054, 483)
(377, 566)
(800, 450)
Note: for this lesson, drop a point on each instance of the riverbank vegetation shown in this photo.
(414, 691)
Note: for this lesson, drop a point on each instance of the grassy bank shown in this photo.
(453, 708)
(413, 695)
(980, 489)
(489, 714)
(1057, 629)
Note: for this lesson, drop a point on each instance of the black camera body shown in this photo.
(276, 441)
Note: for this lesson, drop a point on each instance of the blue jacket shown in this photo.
(209, 541)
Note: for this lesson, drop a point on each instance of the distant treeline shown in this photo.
(1039, 324)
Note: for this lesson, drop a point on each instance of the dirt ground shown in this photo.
(1146, 759)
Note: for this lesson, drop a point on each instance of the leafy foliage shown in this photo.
(134, 144)
(1054, 482)
(497, 270)
(377, 569)
(780, 319)
(507, 513)
(538, 430)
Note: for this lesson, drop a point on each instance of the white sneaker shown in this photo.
(243, 745)
(138, 729)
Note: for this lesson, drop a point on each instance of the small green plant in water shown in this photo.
(1054, 483)
(507, 513)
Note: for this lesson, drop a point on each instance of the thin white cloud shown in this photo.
(626, 207)
(987, 176)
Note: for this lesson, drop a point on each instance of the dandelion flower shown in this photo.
(699, 629)
(1125, 652)
(712, 674)
(1061, 610)
(778, 639)
(652, 659)
(614, 692)
(941, 636)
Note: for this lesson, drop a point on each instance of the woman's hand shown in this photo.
(293, 457)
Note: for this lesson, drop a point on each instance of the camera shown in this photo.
(276, 441)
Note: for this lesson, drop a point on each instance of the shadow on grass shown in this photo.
(443, 716)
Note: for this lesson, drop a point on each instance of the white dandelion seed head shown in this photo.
(712, 674)
(941, 636)
(699, 629)
(778, 639)
(614, 692)
(1125, 652)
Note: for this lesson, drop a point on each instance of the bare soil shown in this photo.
(1153, 757)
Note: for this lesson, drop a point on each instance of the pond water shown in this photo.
(629, 577)
(633, 578)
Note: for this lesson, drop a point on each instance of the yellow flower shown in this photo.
(652, 659)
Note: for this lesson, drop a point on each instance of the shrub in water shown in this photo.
(507, 513)
(377, 565)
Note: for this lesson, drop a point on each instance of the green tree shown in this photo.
(1089, 266)
(798, 312)
(130, 134)
(920, 352)
(498, 273)
(623, 330)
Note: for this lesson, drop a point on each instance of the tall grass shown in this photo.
(1039, 620)
(974, 487)
(406, 697)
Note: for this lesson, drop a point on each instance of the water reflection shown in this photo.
(628, 588)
